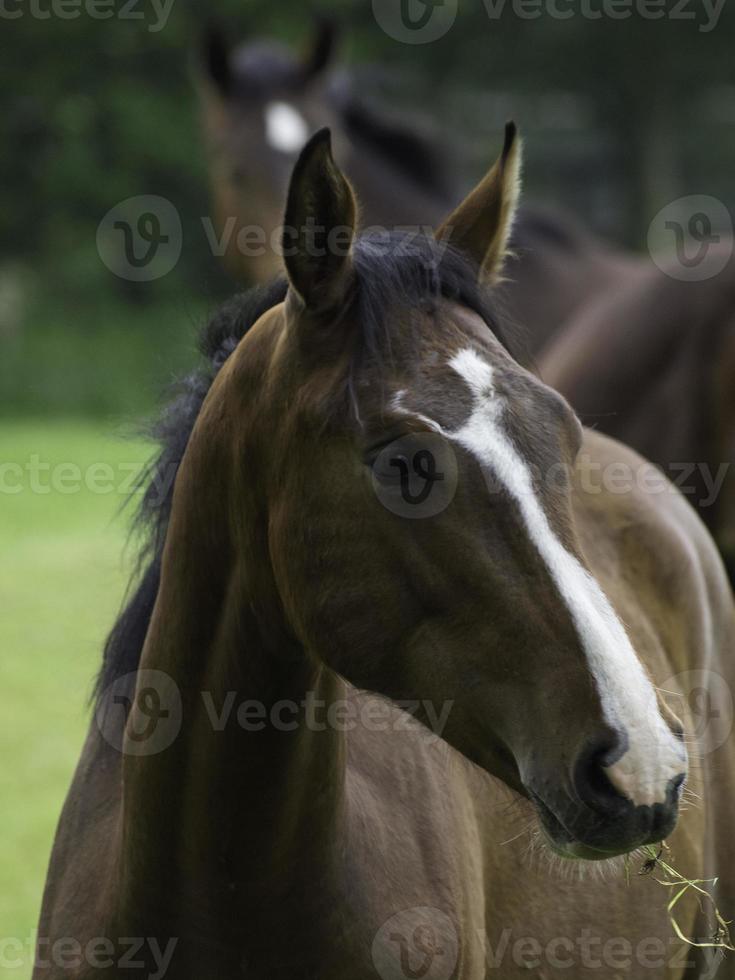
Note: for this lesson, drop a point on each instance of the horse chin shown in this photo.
(566, 845)
(577, 851)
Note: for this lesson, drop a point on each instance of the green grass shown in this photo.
(62, 578)
(98, 359)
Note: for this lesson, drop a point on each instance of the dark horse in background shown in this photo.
(651, 362)
(547, 622)
(644, 358)
(261, 101)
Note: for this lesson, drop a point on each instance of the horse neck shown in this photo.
(214, 817)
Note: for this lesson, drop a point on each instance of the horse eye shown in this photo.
(378, 449)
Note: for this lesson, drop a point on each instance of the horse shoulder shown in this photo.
(649, 549)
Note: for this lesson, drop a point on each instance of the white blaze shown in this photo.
(285, 128)
(628, 699)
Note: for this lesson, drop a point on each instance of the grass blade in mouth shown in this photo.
(680, 886)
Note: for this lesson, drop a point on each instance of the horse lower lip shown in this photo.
(566, 844)
(553, 827)
(582, 852)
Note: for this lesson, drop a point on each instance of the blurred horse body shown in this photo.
(261, 102)
(651, 361)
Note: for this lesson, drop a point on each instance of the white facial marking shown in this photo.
(628, 699)
(397, 406)
(285, 128)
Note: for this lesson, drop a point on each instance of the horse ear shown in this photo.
(319, 227)
(216, 56)
(321, 48)
(481, 225)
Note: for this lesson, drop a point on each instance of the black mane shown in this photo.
(397, 271)
(393, 271)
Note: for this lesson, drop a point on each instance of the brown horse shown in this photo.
(652, 363)
(259, 103)
(379, 513)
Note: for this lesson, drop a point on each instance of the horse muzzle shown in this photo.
(592, 819)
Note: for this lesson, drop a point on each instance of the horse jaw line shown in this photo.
(627, 696)
(285, 128)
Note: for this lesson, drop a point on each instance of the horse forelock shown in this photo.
(396, 271)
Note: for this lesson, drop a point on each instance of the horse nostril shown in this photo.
(663, 815)
(591, 781)
(677, 784)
